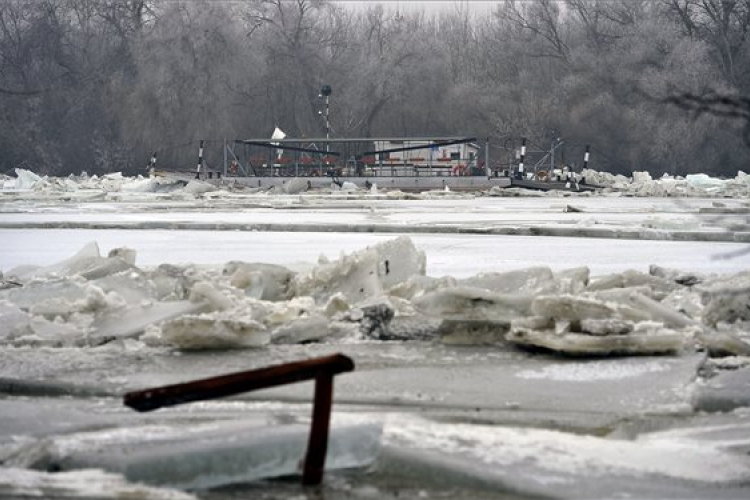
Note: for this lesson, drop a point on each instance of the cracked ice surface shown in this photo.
(467, 331)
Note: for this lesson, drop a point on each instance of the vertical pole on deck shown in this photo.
(328, 124)
(552, 157)
(152, 165)
(200, 161)
(520, 174)
(325, 91)
(225, 157)
(487, 158)
(586, 157)
(585, 164)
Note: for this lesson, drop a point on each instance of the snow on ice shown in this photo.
(88, 300)
(663, 341)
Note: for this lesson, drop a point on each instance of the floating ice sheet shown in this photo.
(215, 455)
(92, 484)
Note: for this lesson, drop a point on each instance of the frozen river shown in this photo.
(458, 255)
(436, 415)
(461, 236)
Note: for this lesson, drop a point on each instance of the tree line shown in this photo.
(98, 85)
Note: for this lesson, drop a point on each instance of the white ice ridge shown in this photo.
(84, 186)
(381, 292)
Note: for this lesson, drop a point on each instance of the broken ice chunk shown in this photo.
(301, 330)
(661, 312)
(719, 343)
(134, 288)
(133, 320)
(562, 327)
(375, 321)
(399, 260)
(417, 285)
(336, 304)
(53, 333)
(574, 308)
(587, 345)
(631, 278)
(686, 279)
(355, 277)
(620, 295)
(37, 291)
(104, 267)
(472, 332)
(728, 305)
(87, 262)
(533, 280)
(465, 303)
(13, 321)
(572, 280)
(363, 274)
(606, 326)
(124, 253)
(725, 392)
(205, 291)
(278, 313)
(217, 330)
(196, 187)
(260, 281)
(571, 307)
(94, 299)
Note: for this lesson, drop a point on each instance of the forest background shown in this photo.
(98, 85)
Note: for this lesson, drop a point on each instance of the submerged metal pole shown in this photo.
(317, 444)
(321, 369)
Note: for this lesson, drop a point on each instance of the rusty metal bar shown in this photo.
(317, 444)
(321, 369)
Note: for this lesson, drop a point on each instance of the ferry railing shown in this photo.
(322, 370)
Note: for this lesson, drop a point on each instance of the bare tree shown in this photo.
(733, 107)
(725, 25)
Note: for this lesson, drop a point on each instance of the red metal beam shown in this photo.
(321, 369)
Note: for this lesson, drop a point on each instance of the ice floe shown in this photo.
(375, 293)
(642, 184)
(112, 184)
(536, 336)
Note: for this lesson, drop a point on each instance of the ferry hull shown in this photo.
(403, 183)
